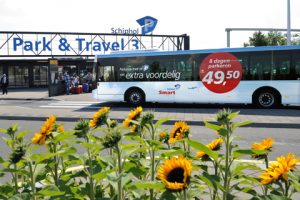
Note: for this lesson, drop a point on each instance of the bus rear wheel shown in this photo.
(267, 99)
(135, 97)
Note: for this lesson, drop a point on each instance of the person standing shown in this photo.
(67, 82)
(4, 83)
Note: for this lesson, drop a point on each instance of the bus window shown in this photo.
(296, 61)
(260, 66)
(108, 73)
(282, 67)
(243, 58)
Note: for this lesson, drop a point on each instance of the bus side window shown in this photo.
(282, 67)
(296, 65)
(109, 73)
(260, 66)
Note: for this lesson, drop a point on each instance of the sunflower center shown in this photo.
(176, 175)
(176, 132)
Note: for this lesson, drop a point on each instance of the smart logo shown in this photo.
(148, 24)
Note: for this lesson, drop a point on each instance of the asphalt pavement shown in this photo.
(285, 117)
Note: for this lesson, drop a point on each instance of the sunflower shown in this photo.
(60, 129)
(38, 138)
(135, 113)
(214, 145)
(45, 131)
(134, 128)
(175, 173)
(164, 137)
(279, 169)
(100, 117)
(126, 122)
(265, 144)
(180, 130)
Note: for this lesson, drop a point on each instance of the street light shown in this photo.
(288, 23)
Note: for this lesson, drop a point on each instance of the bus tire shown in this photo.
(135, 97)
(267, 98)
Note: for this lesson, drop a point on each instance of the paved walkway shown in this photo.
(42, 94)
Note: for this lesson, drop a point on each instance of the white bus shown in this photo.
(264, 76)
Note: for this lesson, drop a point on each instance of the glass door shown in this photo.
(40, 75)
(18, 76)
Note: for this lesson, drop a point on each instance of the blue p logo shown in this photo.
(147, 23)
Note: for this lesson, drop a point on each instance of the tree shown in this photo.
(273, 38)
(258, 39)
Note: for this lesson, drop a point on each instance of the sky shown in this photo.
(203, 20)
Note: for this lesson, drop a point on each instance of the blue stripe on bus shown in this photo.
(183, 52)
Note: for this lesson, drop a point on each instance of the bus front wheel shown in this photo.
(135, 97)
(267, 99)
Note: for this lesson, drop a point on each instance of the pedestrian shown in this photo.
(75, 80)
(67, 82)
(4, 83)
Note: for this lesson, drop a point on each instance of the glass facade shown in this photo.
(34, 73)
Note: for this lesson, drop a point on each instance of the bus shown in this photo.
(264, 76)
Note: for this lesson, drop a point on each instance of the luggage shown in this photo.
(85, 87)
(76, 90)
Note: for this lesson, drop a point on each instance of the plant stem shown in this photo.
(120, 196)
(184, 194)
(216, 174)
(15, 177)
(286, 183)
(32, 181)
(267, 166)
(152, 171)
(56, 162)
(227, 155)
(111, 188)
(92, 194)
(152, 154)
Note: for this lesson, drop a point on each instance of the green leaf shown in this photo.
(39, 169)
(1, 160)
(146, 185)
(168, 195)
(51, 190)
(59, 137)
(233, 115)
(247, 152)
(23, 196)
(274, 197)
(101, 175)
(161, 121)
(67, 151)
(242, 123)
(3, 130)
(154, 143)
(211, 126)
(170, 153)
(201, 147)
(41, 157)
(22, 134)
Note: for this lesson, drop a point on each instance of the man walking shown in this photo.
(67, 82)
(4, 83)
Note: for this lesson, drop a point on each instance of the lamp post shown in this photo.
(288, 23)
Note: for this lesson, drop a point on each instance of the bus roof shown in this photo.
(182, 52)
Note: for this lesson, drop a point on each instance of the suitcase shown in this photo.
(76, 90)
(85, 87)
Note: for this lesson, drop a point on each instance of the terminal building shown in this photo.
(25, 56)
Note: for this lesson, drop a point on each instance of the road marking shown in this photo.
(71, 104)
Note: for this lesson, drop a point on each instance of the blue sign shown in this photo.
(148, 24)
